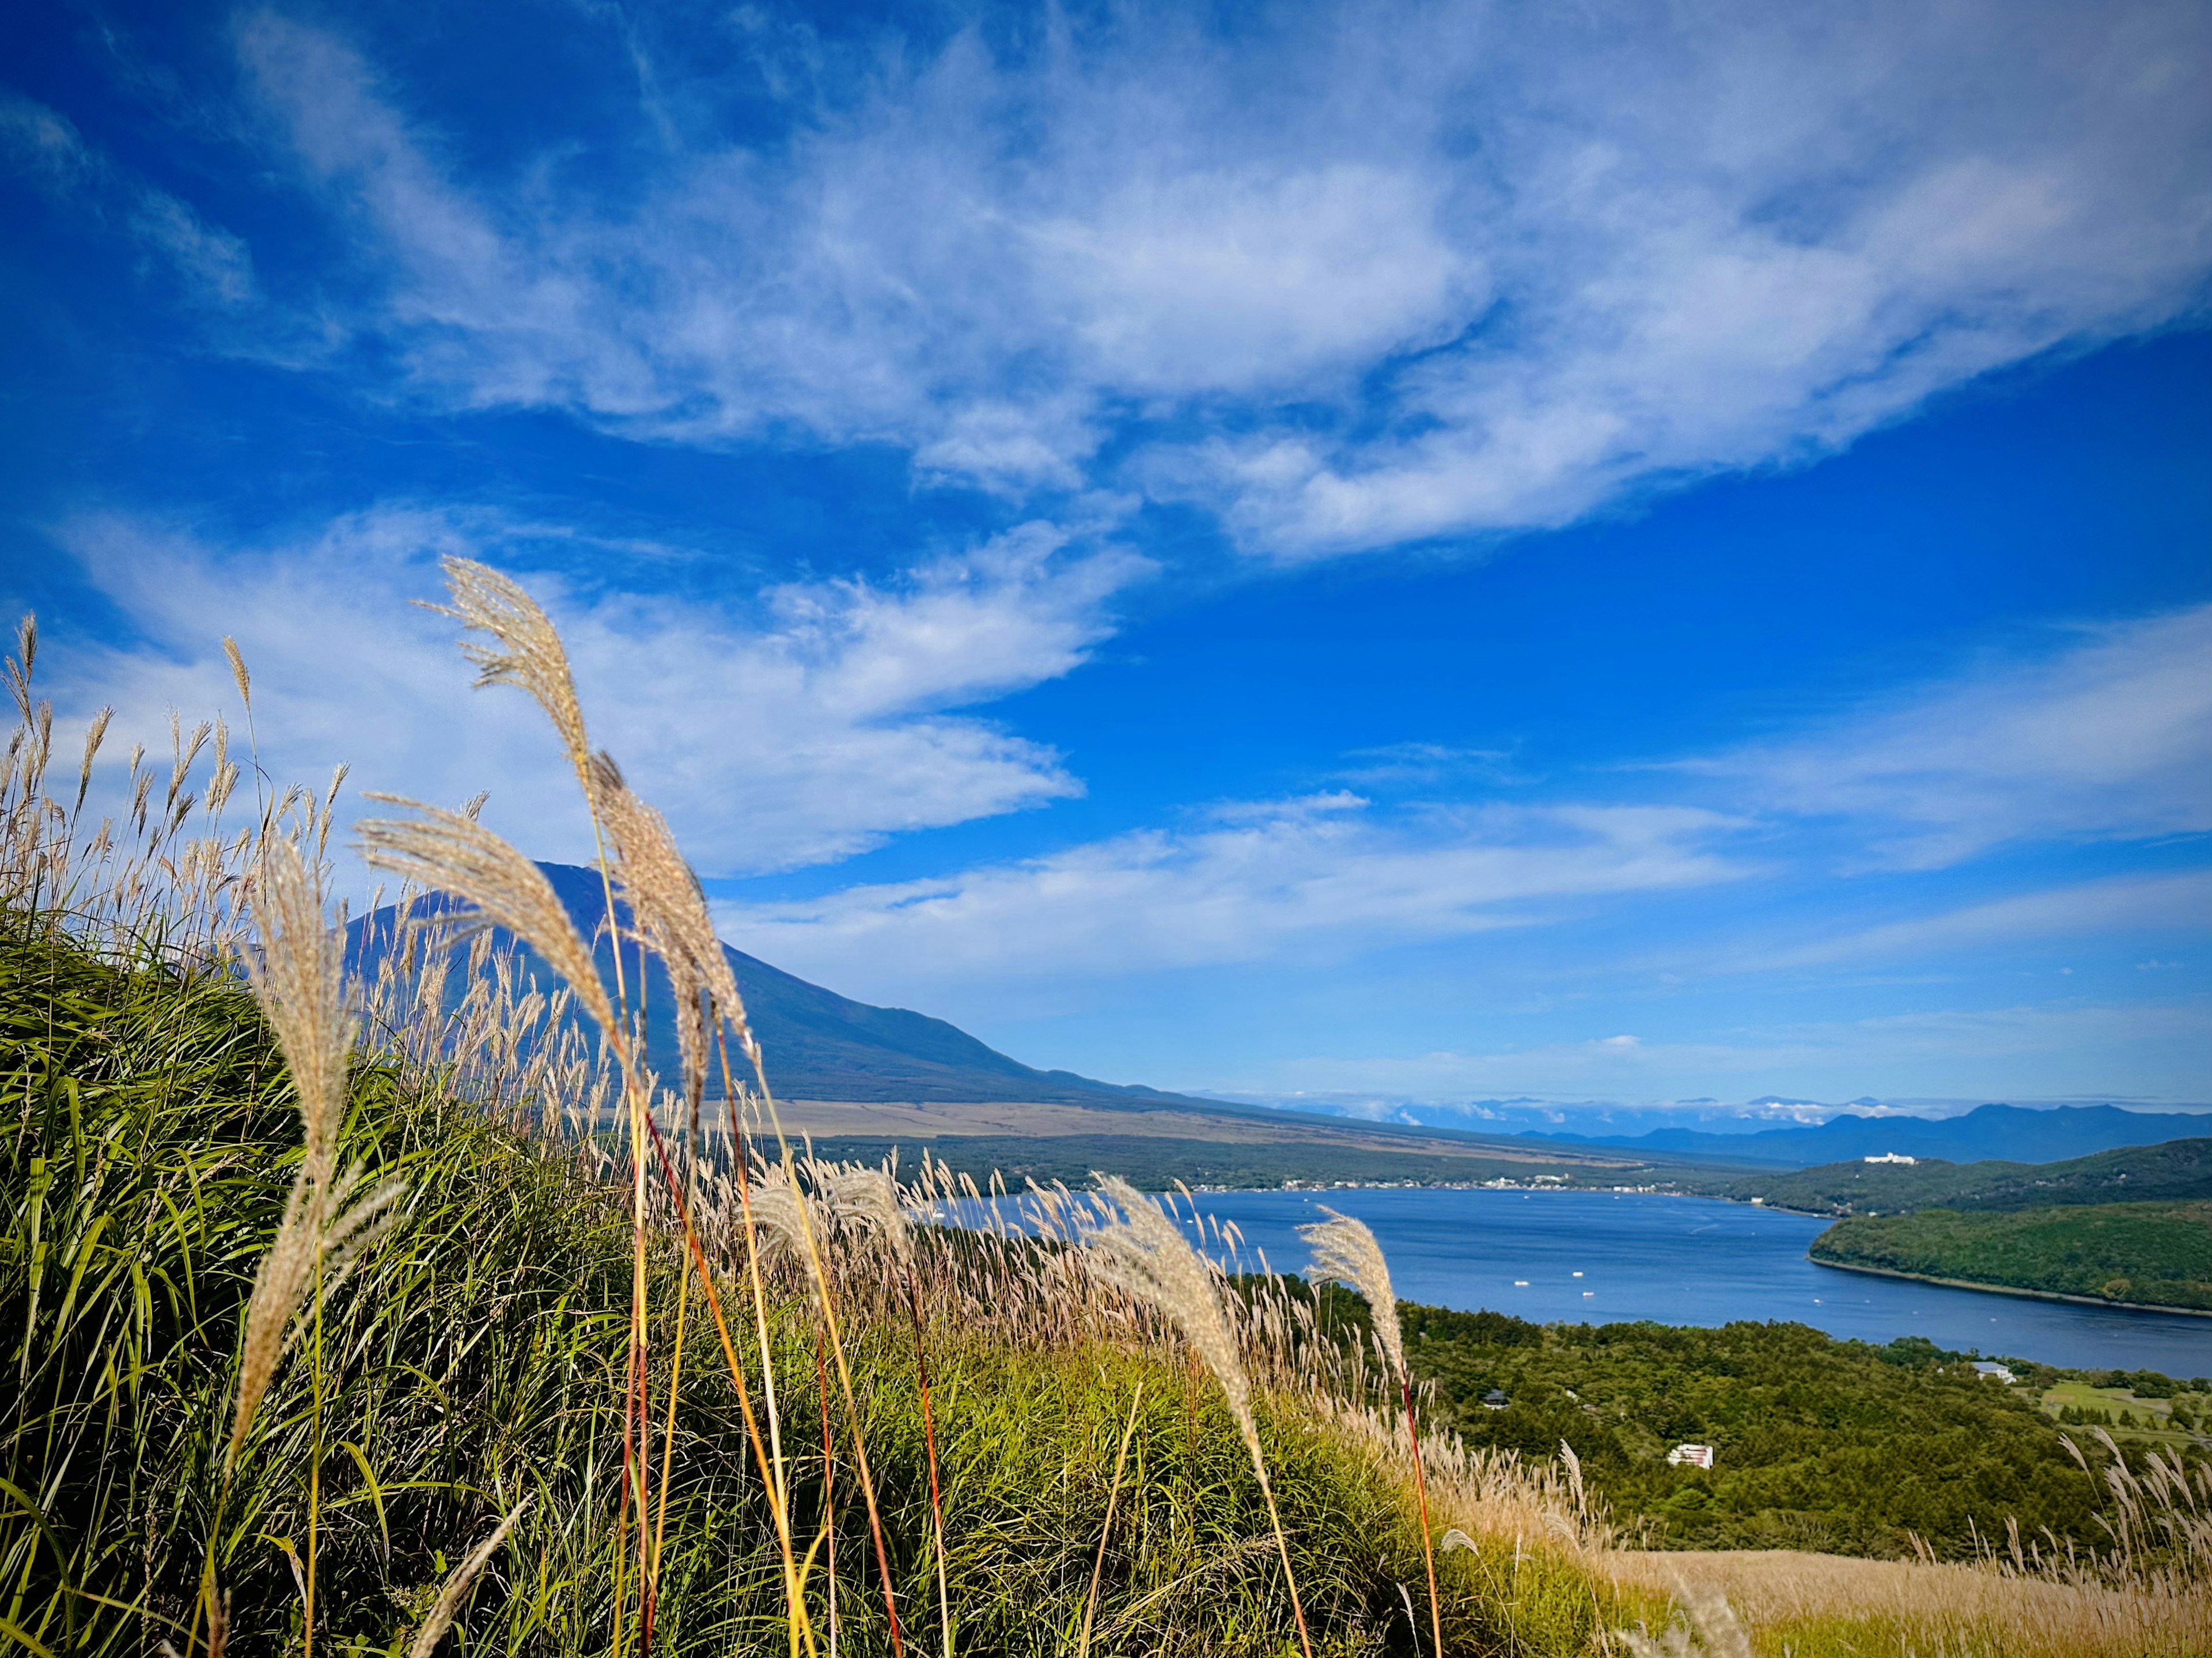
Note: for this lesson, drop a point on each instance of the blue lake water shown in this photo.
(1602, 1257)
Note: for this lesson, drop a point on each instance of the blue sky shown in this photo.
(1629, 553)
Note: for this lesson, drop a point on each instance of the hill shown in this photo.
(2177, 1169)
(822, 1046)
(1989, 1131)
(2155, 1255)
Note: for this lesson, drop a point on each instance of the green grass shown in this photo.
(477, 1358)
(2150, 1254)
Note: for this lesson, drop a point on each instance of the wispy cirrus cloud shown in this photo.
(812, 727)
(1319, 876)
(2107, 738)
(1380, 274)
(42, 146)
(2132, 904)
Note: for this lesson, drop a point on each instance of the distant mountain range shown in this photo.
(822, 1046)
(2010, 1132)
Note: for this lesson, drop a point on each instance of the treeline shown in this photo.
(2156, 1254)
(2178, 1170)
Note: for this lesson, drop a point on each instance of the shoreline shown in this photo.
(2010, 1290)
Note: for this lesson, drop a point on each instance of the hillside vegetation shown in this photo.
(2157, 1254)
(2177, 1169)
(1819, 1443)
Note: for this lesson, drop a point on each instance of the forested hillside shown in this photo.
(2154, 1255)
(2174, 1170)
(1835, 1445)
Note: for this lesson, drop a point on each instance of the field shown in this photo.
(340, 1318)
(2176, 1418)
(2157, 1254)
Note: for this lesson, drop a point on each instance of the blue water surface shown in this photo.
(1602, 1257)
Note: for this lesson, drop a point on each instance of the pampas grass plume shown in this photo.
(453, 853)
(1345, 1250)
(1147, 1258)
(527, 652)
(867, 1199)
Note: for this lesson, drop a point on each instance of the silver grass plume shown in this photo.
(94, 734)
(867, 1199)
(448, 1603)
(668, 913)
(527, 652)
(453, 853)
(299, 977)
(780, 1220)
(665, 897)
(1345, 1251)
(1707, 1627)
(1147, 1258)
(238, 673)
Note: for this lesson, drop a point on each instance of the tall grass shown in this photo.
(336, 1317)
(339, 1320)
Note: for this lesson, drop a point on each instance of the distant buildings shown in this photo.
(1696, 1456)
(1894, 1156)
(1993, 1372)
(1495, 1400)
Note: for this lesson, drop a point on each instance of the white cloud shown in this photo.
(1396, 273)
(810, 732)
(2132, 903)
(41, 145)
(2110, 739)
(1309, 876)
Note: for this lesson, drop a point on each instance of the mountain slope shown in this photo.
(823, 1046)
(2008, 1132)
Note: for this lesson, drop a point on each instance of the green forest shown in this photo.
(2156, 1254)
(1839, 1447)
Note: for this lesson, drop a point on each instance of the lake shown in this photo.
(1601, 1257)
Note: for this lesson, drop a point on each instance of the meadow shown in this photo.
(338, 1319)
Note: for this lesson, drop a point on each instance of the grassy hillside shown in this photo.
(476, 1359)
(2149, 1254)
(2176, 1170)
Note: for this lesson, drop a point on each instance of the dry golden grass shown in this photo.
(1813, 1604)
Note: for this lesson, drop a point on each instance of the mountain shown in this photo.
(2005, 1132)
(2177, 1169)
(822, 1046)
